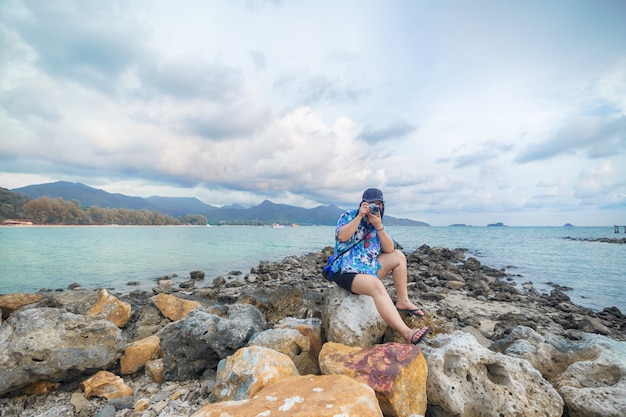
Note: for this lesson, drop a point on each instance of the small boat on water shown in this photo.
(294, 225)
(277, 226)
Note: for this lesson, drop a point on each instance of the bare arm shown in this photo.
(386, 242)
(349, 229)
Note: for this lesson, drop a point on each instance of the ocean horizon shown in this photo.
(38, 258)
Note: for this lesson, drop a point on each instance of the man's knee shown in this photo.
(399, 256)
(379, 287)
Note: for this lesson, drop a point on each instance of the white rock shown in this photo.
(293, 344)
(352, 319)
(590, 374)
(467, 379)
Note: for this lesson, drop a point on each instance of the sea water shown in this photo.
(35, 258)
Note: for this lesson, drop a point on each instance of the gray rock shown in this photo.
(121, 403)
(593, 325)
(146, 320)
(57, 411)
(106, 411)
(197, 275)
(55, 345)
(187, 284)
(198, 342)
(78, 300)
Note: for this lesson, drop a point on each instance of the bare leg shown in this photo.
(396, 263)
(370, 285)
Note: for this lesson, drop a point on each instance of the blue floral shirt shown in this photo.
(363, 257)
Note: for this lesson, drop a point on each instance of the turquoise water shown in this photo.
(33, 258)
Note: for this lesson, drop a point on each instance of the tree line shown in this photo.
(45, 210)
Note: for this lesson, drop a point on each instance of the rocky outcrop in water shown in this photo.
(601, 239)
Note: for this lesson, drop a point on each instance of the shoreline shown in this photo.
(455, 291)
(436, 280)
(542, 288)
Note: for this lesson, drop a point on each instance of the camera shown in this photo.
(374, 209)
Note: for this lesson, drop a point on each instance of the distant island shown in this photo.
(499, 224)
(568, 225)
(458, 225)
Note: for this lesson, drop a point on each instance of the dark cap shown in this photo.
(373, 194)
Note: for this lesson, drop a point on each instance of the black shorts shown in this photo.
(343, 280)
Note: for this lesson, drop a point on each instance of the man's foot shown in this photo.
(410, 310)
(419, 335)
(414, 312)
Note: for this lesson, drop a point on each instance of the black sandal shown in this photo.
(414, 312)
(422, 334)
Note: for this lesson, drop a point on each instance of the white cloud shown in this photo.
(458, 111)
(595, 183)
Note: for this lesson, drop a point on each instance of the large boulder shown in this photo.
(467, 379)
(590, 373)
(249, 370)
(199, 341)
(352, 319)
(53, 344)
(310, 396)
(397, 372)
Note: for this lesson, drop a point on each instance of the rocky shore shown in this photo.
(602, 239)
(488, 337)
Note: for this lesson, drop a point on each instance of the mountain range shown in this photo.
(266, 212)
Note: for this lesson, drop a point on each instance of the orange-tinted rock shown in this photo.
(111, 308)
(11, 302)
(396, 371)
(248, 370)
(311, 328)
(174, 308)
(141, 404)
(107, 385)
(40, 388)
(138, 353)
(156, 370)
(302, 396)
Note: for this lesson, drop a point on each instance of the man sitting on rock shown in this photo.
(364, 254)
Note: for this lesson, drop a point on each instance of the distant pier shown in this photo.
(616, 228)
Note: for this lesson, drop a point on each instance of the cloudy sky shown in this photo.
(460, 111)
